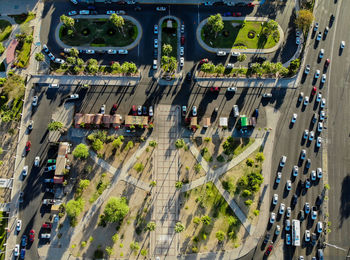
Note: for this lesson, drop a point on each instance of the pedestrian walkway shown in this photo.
(164, 241)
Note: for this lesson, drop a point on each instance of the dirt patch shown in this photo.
(131, 230)
(143, 167)
(200, 237)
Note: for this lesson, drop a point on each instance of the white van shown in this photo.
(283, 161)
(155, 64)
(235, 53)
(236, 111)
(221, 53)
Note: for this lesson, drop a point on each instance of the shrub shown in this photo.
(144, 252)
(153, 143)
(232, 221)
(196, 220)
(180, 143)
(109, 250)
(134, 246)
(249, 162)
(195, 249)
(256, 212)
(220, 235)
(83, 244)
(153, 183)
(220, 158)
(248, 202)
(115, 237)
(179, 227)
(260, 157)
(91, 239)
(246, 193)
(129, 145)
(197, 167)
(207, 139)
(81, 151)
(178, 184)
(206, 220)
(151, 226)
(139, 167)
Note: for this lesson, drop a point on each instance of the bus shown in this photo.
(295, 232)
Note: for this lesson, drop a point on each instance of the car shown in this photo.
(238, 14)
(301, 215)
(226, 14)
(189, 76)
(302, 154)
(319, 142)
(267, 95)
(203, 61)
(155, 53)
(342, 45)
(37, 161)
(45, 235)
(85, 12)
(306, 101)
(278, 177)
(144, 110)
(321, 54)
(307, 184)
(47, 225)
(319, 36)
(155, 62)
(306, 134)
(319, 173)
(103, 109)
(155, 43)
(71, 13)
(161, 8)
(319, 97)
(50, 168)
(322, 115)
(320, 254)
(16, 250)
(49, 201)
(314, 213)
(182, 51)
(287, 225)
(259, 59)
(73, 97)
(311, 136)
(23, 253)
(123, 52)
(194, 111)
(272, 217)
(307, 69)
(268, 250)
(133, 109)
(91, 7)
(25, 171)
(19, 225)
(49, 190)
(45, 49)
(182, 61)
(182, 40)
(294, 200)
(313, 175)
(301, 96)
(120, 12)
(28, 145)
(332, 17)
(155, 29)
(327, 62)
(21, 197)
(35, 101)
(297, 33)
(139, 110)
(308, 163)
(313, 91)
(266, 238)
(313, 239)
(89, 51)
(289, 212)
(297, 40)
(326, 29)
(182, 28)
(51, 56)
(66, 50)
(320, 127)
(31, 235)
(323, 103)
(282, 208)
(230, 66)
(294, 118)
(316, 27)
(277, 230)
(288, 185)
(109, 12)
(221, 53)
(295, 170)
(24, 240)
(314, 118)
(112, 52)
(275, 199)
(184, 110)
(307, 235)
(307, 208)
(324, 77)
(231, 89)
(319, 227)
(54, 85)
(288, 240)
(317, 74)
(214, 89)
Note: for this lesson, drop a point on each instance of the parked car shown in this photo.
(84, 12)
(277, 230)
(306, 101)
(278, 177)
(307, 235)
(321, 53)
(24, 240)
(282, 208)
(294, 200)
(16, 250)
(319, 173)
(182, 61)
(47, 225)
(221, 53)
(182, 51)
(150, 111)
(306, 134)
(312, 135)
(268, 250)
(134, 111)
(314, 213)
(323, 103)
(112, 52)
(313, 239)
(144, 110)
(289, 212)
(203, 61)
(25, 171)
(31, 235)
(231, 89)
(19, 225)
(45, 235)
(307, 208)
(21, 197)
(283, 160)
(37, 161)
(71, 13)
(322, 115)
(155, 29)
(89, 51)
(288, 240)
(124, 52)
(320, 127)
(342, 45)
(313, 175)
(319, 142)
(182, 40)
(161, 8)
(275, 199)
(28, 145)
(103, 109)
(73, 97)
(139, 110)
(301, 96)
(194, 111)
(182, 28)
(319, 227)
(288, 185)
(35, 101)
(109, 12)
(155, 64)
(272, 217)
(323, 78)
(295, 170)
(319, 36)
(51, 56)
(45, 49)
(184, 110)
(23, 253)
(307, 69)
(236, 111)
(294, 118)
(49, 201)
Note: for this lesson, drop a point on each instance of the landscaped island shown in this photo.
(98, 33)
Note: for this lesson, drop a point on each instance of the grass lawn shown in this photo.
(99, 33)
(3, 236)
(200, 237)
(24, 55)
(237, 36)
(169, 36)
(5, 30)
(23, 18)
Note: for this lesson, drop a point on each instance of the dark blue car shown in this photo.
(24, 240)
(23, 253)
(227, 14)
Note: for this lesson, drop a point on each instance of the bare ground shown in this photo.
(147, 160)
(187, 164)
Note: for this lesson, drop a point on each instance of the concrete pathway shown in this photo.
(164, 241)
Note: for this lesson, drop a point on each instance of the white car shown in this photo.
(74, 2)
(307, 69)
(319, 173)
(19, 225)
(272, 218)
(45, 235)
(122, 51)
(59, 61)
(278, 177)
(312, 135)
(277, 230)
(103, 109)
(306, 134)
(302, 154)
(295, 170)
(289, 212)
(321, 54)
(54, 85)
(275, 199)
(267, 95)
(182, 28)
(110, 12)
(342, 44)
(16, 250)
(90, 52)
(306, 101)
(287, 225)
(307, 235)
(317, 74)
(66, 50)
(150, 111)
(182, 50)
(320, 127)
(155, 64)
(313, 213)
(35, 101)
(318, 97)
(235, 53)
(232, 89)
(282, 208)
(313, 175)
(324, 77)
(289, 185)
(323, 103)
(155, 43)
(71, 13)
(73, 96)
(283, 161)
(307, 207)
(301, 96)
(294, 118)
(316, 27)
(319, 227)
(25, 171)
(112, 51)
(319, 36)
(194, 111)
(221, 53)
(182, 61)
(161, 8)
(84, 12)
(120, 12)
(319, 142)
(37, 161)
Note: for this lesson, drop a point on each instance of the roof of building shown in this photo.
(136, 120)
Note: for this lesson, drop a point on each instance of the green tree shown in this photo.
(55, 126)
(208, 67)
(167, 49)
(117, 143)
(151, 226)
(116, 67)
(74, 208)
(152, 143)
(117, 21)
(116, 209)
(139, 167)
(242, 57)
(179, 227)
(144, 252)
(71, 60)
(83, 184)
(81, 151)
(2, 48)
(206, 220)
(178, 184)
(73, 52)
(304, 19)
(219, 69)
(248, 202)
(294, 66)
(220, 235)
(97, 145)
(168, 64)
(129, 145)
(129, 68)
(260, 157)
(134, 246)
(109, 250)
(197, 167)
(216, 23)
(92, 66)
(67, 21)
(80, 62)
(270, 26)
(39, 56)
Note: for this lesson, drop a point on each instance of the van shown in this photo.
(155, 64)
(283, 161)
(236, 111)
(53, 85)
(221, 53)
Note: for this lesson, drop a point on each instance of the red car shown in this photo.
(47, 225)
(250, 5)
(236, 14)
(134, 110)
(268, 250)
(328, 61)
(314, 89)
(31, 235)
(214, 89)
(203, 61)
(114, 108)
(28, 145)
(182, 40)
